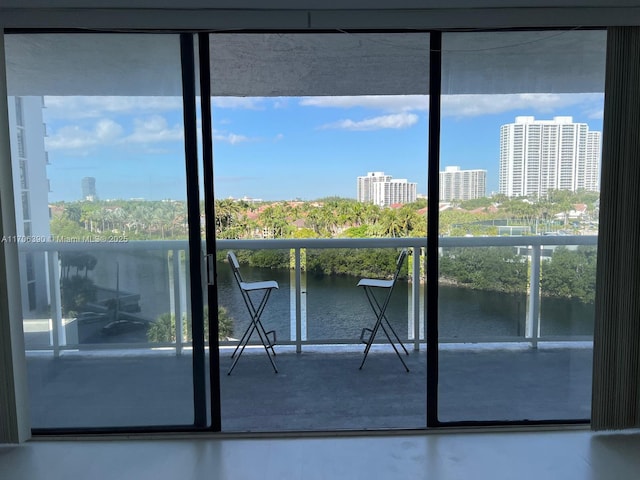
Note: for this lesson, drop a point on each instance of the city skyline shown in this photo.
(281, 148)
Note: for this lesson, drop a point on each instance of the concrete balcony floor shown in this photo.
(318, 390)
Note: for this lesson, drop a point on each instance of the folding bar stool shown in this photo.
(268, 339)
(379, 310)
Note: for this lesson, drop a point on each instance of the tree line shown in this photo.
(323, 218)
(568, 273)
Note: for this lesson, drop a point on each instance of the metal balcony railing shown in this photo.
(173, 254)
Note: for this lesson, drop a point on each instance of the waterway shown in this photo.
(335, 308)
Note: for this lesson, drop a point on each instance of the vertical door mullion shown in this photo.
(210, 230)
(433, 194)
(193, 216)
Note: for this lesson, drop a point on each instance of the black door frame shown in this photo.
(207, 269)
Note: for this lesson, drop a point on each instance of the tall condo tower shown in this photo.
(541, 155)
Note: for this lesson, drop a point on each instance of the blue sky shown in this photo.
(282, 148)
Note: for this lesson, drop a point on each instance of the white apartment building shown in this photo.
(365, 185)
(541, 155)
(383, 190)
(31, 190)
(456, 184)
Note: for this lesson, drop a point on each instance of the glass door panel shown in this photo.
(320, 145)
(99, 165)
(520, 163)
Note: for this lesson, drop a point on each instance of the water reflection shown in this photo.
(335, 309)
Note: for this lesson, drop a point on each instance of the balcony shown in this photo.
(84, 372)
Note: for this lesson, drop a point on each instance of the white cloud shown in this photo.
(395, 121)
(390, 103)
(231, 138)
(108, 133)
(547, 103)
(154, 129)
(68, 107)
(280, 102)
(73, 137)
(466, 105)
(96, 107)
(249, 103)
(596, 114)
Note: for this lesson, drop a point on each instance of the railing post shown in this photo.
(533, 318)
(58, 332)
(177, 304)
(298, 282)
(415, 294)
(184, 286)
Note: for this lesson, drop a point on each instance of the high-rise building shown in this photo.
(31, 191)
(383, 190)
(89, 189)
(365, 185)
(541, 155)
(456, 184)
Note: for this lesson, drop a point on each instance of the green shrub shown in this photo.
(163, 330)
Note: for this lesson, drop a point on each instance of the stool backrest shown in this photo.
(399, 263)
(235, 266)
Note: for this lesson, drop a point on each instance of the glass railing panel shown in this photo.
(482, 294)
(37, 323)
(255, 266)
(567, 292)
(123, 298)
(336, 308)
(330, 349)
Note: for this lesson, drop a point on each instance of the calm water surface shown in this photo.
(337, 309)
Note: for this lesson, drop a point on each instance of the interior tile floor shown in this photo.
(565, 454)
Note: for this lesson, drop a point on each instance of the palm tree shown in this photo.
(391, 223)
(275, 219)
(371, 214)
(409, 219)
(315, 220)
(226, 213)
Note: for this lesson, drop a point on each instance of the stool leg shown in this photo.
(255, 325)
(379, 311)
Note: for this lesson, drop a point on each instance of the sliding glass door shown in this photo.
(320, 145)
(519, 198)
(98, 155)
(140, 160)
